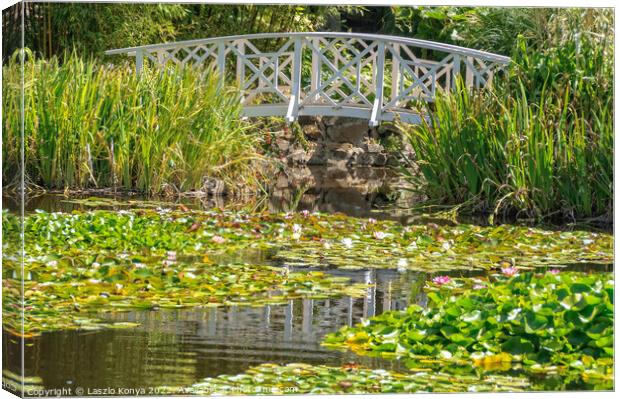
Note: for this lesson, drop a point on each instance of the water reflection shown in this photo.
(180, 347)
(360, 192)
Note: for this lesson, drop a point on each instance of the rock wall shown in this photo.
(335, 141)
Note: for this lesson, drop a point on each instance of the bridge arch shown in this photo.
(376, 77)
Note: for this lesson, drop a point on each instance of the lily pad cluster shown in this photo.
(299, 378)
(552, 323)
(312, 239)
(66, 291)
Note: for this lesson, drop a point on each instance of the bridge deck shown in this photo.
(375, 77)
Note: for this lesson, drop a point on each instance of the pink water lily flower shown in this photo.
(218, 239)
(554, 271)
(305, 213)
(510, 271)
(441, 280)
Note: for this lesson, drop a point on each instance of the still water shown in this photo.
(181, 347)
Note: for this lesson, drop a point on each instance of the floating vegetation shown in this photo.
(110, 202)
(80, 264)
(68, 291)
(547, 324)
(311, 239)
(271, 379)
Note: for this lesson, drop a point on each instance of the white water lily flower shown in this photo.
(52, 263)
(379, 235)
(327, 245)
(190, 275)
(297, 228)
(295, 236)
(402, 264)
(446, 245)
(347, 242)
(587, 242)
(94, 281)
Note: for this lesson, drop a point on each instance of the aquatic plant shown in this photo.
(556, 324)
(91, 125)
(323, 239)
(74, 291)
(299, 378)
(81, 262)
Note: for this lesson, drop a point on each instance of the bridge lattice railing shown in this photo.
(369, 76)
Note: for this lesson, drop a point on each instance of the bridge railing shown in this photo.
(376, 77)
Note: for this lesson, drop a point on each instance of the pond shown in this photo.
(179, 347)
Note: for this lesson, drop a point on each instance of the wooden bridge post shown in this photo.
(139, 60)
(293, 105)
(240, 66)
(377, 107)
(456, 69)
(221, 62)
(395, 70)
(315, 77)
(469, 73)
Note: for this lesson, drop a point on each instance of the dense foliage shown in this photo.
(552, 323)
(89, 125)
(51, 29)
(541, 143)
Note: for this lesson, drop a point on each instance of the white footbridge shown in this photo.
(375, 77)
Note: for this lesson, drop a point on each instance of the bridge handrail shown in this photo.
(426, 44)
(348, 71)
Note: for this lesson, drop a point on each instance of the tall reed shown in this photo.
(89, 125)
(539, 144)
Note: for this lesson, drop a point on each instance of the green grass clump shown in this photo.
(539, 144)
(92, 125)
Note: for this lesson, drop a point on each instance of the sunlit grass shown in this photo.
(90, 125)
(539, 144)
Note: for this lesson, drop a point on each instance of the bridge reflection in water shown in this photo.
(183, 346)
